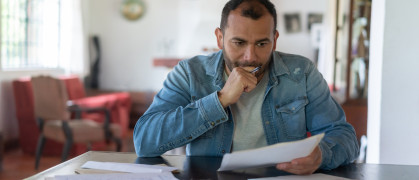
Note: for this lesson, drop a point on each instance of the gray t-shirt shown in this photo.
(248, 128)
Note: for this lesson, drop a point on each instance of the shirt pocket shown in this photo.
(293, 118)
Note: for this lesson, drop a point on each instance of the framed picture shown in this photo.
(292, 23)
(314, 18)
(132, 9)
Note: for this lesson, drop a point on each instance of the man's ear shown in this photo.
(275, 39)
(219, 35)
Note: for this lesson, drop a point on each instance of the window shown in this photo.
(30, 34)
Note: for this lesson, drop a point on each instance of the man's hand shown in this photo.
(304, 165)
(239, 81)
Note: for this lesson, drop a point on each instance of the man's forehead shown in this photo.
(239, 24)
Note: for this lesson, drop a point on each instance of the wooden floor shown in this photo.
(18, 165)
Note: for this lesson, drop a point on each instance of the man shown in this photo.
(215, 105)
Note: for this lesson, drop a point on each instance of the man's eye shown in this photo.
(239, 43)
(262, 44)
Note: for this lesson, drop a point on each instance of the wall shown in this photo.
(393, 115)
(197, 23)
(128, 47)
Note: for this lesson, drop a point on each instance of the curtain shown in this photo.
(72, 44)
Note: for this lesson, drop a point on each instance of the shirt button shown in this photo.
(222, 119)
(293, 108)
(267, 122)
(218, 121)
(190, 137)
(223, 151)
(212, 124)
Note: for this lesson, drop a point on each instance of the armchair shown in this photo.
(54, 122)
(117, 103)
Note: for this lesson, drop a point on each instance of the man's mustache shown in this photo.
(237, 64)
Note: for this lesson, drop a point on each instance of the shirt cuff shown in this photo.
(211, 110)
(326, 155)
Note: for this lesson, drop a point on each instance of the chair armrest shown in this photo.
(78, 110)
(105, 100)
(119, 105)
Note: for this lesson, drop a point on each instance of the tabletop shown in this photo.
(192, 167)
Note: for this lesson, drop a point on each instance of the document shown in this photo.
(123, 176)
(270, 155)
(127, 167)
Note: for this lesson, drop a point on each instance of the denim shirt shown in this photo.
(297, 100)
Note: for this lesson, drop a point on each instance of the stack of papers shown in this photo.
(270, 155)
(122, 176)
(127, 167)
(93, 170)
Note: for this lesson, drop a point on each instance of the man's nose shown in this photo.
(250, 54)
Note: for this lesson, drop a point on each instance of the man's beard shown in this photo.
(231, 65)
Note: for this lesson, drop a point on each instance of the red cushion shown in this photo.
(75, 88)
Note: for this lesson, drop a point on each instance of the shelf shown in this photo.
(166, 62)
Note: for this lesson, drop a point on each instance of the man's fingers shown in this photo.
(239, 81)
(299, 171)
(248, 80)
(304, 161)
(248, 68)
(304, 165)
(289, 166)
(294, 169)
(313, 159)
(250, 86)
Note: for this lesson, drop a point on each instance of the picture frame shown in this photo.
(314, 18)
(292, 22)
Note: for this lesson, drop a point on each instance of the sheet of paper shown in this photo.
(122, 176)
(94, 171)
(270, 155)
(318, 176)
(127, 167)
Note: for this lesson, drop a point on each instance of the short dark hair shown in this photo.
(253, 12)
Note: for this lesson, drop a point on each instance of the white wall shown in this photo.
(197, 23)
(300, 42)
(393, 117)
(128, 47)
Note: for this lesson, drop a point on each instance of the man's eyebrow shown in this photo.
(237, 39)
(263, 40)
(243, 40)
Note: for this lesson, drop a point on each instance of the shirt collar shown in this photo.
(279, 68)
